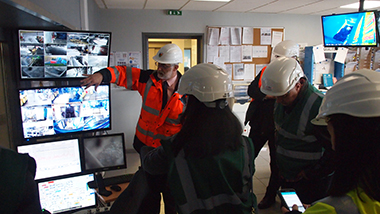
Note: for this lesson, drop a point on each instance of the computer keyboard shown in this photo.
(113, 180)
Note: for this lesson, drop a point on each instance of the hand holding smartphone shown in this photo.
(289, 198)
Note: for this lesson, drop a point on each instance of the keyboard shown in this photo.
(112, 180)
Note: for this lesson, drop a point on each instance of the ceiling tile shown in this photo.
(203, 6)
(165, 4)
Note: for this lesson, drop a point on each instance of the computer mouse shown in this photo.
(115, 188)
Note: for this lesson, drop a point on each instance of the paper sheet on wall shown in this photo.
(235, 53)
(229, 70)
(350, 67)
(319, 54)
(112, 59)
(259, 51)
(341, 55)
(219, 61)
(249, 71)
(265, 36)
(276, 38)
(213, 36)
(212, 52)
(224, 52)
(247, 35)
(224, 38)
(246, 53)
(238, 71)
(235, 35)
(134, 59)
(259, 67)
(121, 58)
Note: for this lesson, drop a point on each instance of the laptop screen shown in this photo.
(66, 195)
(54, 158)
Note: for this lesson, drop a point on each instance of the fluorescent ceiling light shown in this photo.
(214, 0)
(367, 5)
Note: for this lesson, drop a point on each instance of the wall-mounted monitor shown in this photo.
(350, 30)
(67, 195)
(48, 111)
(62, 54)
(54, 158)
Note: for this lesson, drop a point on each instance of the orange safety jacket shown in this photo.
(155, 124)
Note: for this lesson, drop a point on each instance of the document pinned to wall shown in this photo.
(246, 53)
(235, 53)
(229, 70)
(319, 54)
(260, 51)
(265, 36)
(213, 36)
(219, 61)
(238, 71)
(247, 35)
(121, 58)
(212, 52)
(249, 71)
(224, 52)
(235, 35)
(224, 38)
(276, 38)
(341, 55)
(111, 62)
(134, 59)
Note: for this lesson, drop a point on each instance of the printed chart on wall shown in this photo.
(242, 51)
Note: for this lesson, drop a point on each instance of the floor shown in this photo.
(260, 180)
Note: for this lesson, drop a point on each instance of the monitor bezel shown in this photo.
(67, 134)
(21, 78)
(102, 169)
(355, 46)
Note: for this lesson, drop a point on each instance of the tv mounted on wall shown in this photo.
(62, 54)
(350, 29)
(49, 111)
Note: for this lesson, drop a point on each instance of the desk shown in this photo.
(108, 199)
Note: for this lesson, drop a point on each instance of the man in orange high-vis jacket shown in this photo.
(161, 104)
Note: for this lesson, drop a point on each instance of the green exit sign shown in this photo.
(175, 12)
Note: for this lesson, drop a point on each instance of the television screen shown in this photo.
(103, 152)
(62, 54)
(66, 195)
(54, 158)
(350, 30)
(63, 110)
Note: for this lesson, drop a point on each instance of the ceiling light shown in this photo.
(214, 0)
(367, 5)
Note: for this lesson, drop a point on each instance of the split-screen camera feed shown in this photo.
(60, 110)
(55, 54)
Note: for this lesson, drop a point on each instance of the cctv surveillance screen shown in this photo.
(64, 110)
(62, 54)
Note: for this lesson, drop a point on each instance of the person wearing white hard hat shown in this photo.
(209, 163)
(161, 104)
(259, 116)
(351, 112)
(303, 151)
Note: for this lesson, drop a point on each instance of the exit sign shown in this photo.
(175, 12)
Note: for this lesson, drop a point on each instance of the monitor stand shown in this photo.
(100, 184)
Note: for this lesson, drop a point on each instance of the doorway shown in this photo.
(191, 45)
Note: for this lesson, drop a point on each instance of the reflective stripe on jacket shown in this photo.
(217, 184)
(155, 123)
(297, 147)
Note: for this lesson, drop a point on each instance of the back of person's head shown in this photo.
(352, 109)
(286, 48)
(169, 54)
(209, 126)
(281, 76)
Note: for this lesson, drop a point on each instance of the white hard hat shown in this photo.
(169, 54)
(281, 76)
(356, 94)
(207, 82)
(287, 48)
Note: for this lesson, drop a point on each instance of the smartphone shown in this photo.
(289, 198)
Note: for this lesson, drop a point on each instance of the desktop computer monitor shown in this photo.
(67, 195)
(54, 158)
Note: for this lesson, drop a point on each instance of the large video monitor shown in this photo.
(54, 158)
(62, 54)
(350, 30)
(49, 111)
(103, 153)
(67, 195)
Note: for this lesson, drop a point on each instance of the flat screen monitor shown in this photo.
(67, 195)
(54, 158)
(49, 111)
(62, 54)
(350, 30)
(103, 153)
